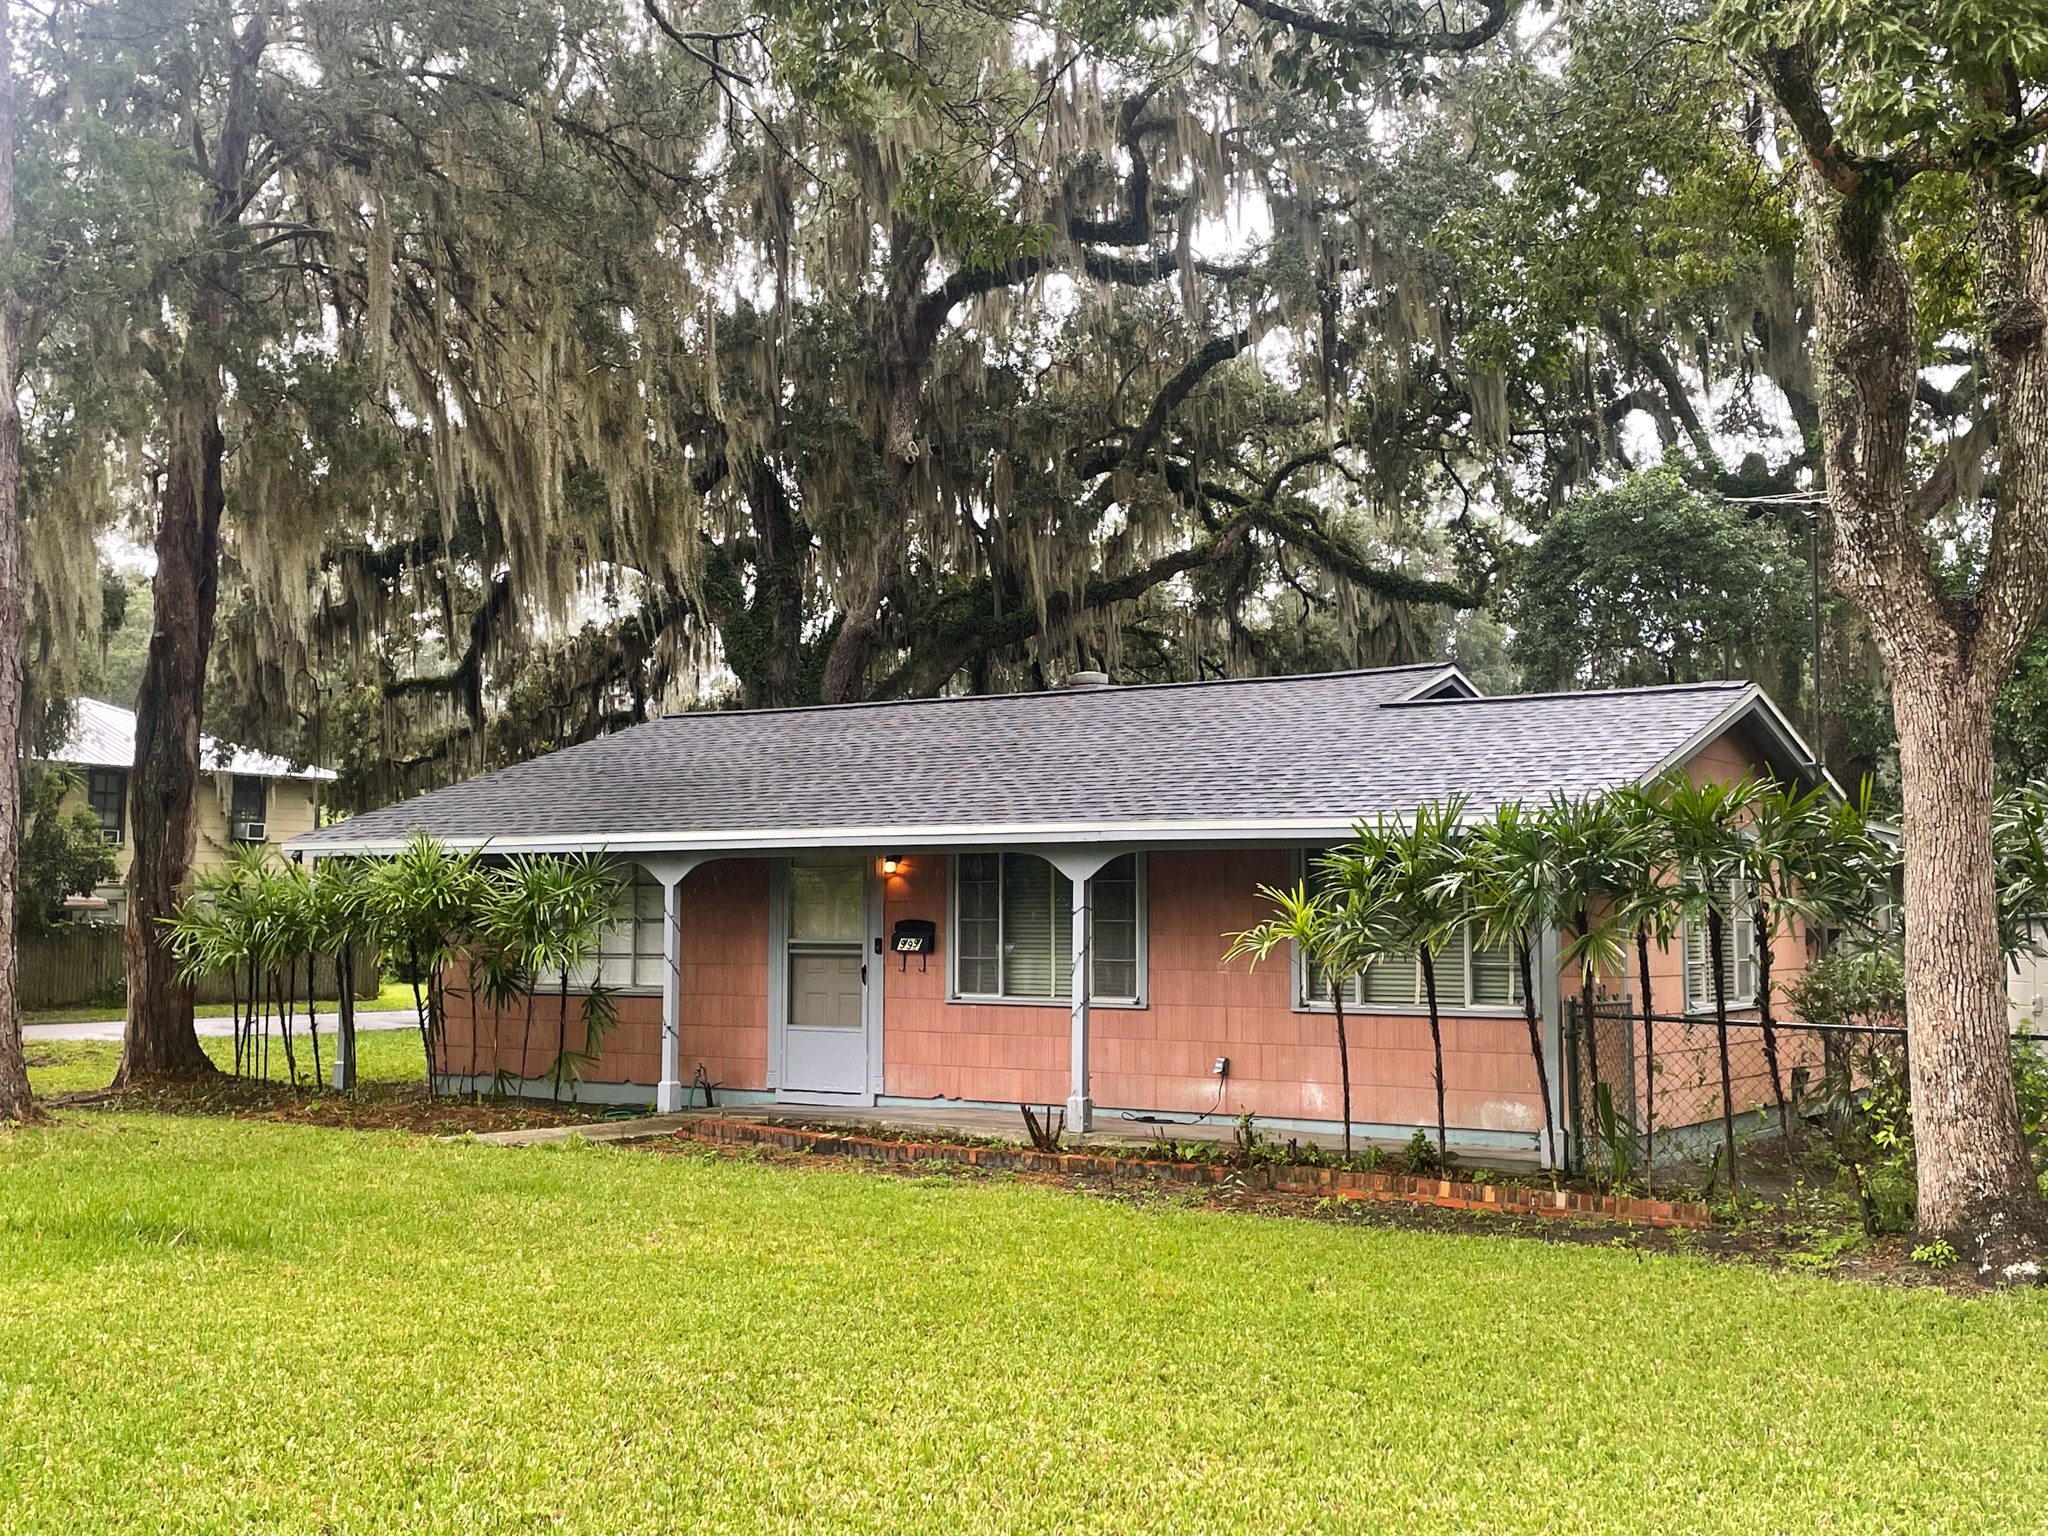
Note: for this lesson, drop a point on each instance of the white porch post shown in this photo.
(670, 870)
(1080, 866)
(1080, 1107)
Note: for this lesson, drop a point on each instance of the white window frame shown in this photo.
(1354, 993)
(1742, 967)
(643, 948)
(1303, 1002)
(1095, 1000)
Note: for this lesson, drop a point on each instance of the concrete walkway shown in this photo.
(111, 1029)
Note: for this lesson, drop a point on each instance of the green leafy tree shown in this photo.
(63, 852)
(1653, 582)
(1919, 133)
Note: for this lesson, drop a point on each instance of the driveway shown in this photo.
(110, 1029)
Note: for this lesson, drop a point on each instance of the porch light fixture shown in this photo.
(891, 863)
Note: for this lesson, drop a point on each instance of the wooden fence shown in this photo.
(87, 963)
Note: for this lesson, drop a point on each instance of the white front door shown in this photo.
(825, 1031)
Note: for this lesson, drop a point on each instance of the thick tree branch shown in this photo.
(1354, 35)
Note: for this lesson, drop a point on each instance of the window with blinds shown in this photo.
(1738, 962)
(1469, 974)
(1013, 929)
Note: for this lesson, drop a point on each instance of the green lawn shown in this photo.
(242, 1326)
(75, 1066)
(395, 995)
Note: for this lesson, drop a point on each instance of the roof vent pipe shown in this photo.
(1086, 680)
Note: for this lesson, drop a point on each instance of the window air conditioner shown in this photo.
(114, 835)
(250, 832)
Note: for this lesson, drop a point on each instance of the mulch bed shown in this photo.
(1884, 1261)
(374, 1107)
(1263, 1173)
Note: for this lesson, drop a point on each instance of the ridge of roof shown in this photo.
(1722, 685)
(1049, 693)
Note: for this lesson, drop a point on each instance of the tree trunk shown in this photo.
(160, 1041)
(1760, 920)
(1976, 1183)
(1436, 1042)
(1649, 1064)
(1717, 950)
(1948, 657)
(1586, 1004)
(1337, 986)
(312, 1013)
(1536, 1050)
(345, 1027)
(16, 1101)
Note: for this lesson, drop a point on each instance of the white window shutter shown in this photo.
(1742, 985)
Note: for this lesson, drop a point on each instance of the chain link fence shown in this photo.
(1667, 1078)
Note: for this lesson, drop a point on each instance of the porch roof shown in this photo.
(1232, 761)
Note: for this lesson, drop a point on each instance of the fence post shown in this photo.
(1574, 1160)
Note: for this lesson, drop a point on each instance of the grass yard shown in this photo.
(393, 996)
(209, 1325)
(79, 1066)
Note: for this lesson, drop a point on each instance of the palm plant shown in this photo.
(423, 902)
(2019, 842)
(1416, 871)
(1511, 882)
(1786, 859)
(1649, 911)
(587, 894)
(515, 920)
(1598, 852)
(1706, 823)
(340, 921)
(543, 915)
(1334, 929)
(284, 933)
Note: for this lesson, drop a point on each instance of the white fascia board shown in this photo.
(908, 838)
(1752, 701)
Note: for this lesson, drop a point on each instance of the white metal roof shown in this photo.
(103, 736)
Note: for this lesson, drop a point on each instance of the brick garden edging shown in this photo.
(1511, 1199)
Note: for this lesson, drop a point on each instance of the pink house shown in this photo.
(1023, 898)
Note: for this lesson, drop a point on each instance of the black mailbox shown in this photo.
(914, 936)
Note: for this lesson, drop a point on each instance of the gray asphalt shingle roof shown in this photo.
(1200, 761)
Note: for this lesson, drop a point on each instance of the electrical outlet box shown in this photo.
(1222, 1067)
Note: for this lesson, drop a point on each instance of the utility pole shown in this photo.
(1808, 504)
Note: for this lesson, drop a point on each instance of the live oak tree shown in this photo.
(940, 385)
(16, 1101)
(225, 324)
(1921, 132)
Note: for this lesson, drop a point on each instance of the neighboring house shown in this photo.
(783, 859)
(256, 799)
(2026, 989)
